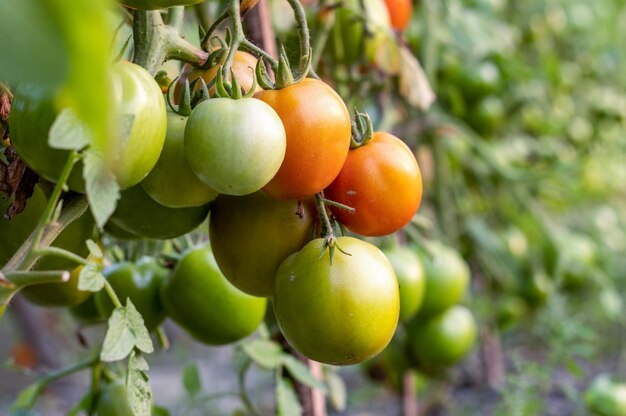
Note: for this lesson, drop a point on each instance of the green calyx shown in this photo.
(284, 74)
(362, 130)
(232, 89)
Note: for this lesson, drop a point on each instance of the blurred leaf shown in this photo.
(267, 354)
(68, 132)
(337, 391)
(287, 403)
(27, 397)
(139, 393)
(85, 405)
(91, 278)
(94, 249)
(414, 85)
(301, 372)
(191, 379)
(160, 411)
(102, 188)
(143, 342)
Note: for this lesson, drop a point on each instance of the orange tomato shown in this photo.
(243, 67)
(318, 130)
(382, 181)
(400, 12)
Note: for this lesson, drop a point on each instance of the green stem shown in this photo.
(303, 34)
(237, 36)
(327, 228)
(112, 295)
(246, 44)
(322, 34)
(164, 342)
(205, 43)
(338, 205)
(176, 17)
(241, 381)
(59, 252)
(23, 278)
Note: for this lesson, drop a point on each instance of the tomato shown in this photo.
(157, 4)
(119, 233)
(87, 312)
(265, 229)
(140, 282)
(410, 274)
(57, 294)
(171, 182)
(447, 277)
(318, 130)
(337, 314)
(234, 146)
(382, 182)
(442, 340)
(15, 231)
(509, 311)
(200, 299)
(576, 258)
(487, 116)
(536, 288)
(139, 214)
(243, 67)
(137, 100)
(113, 401)
(400, 12)
(480, 80)
(605, 397)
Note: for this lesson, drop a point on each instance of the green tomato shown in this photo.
(267, 230)
(157, 4)
(235, 146)
(200, 299)
(606, 398)
(342, 313)
(140, 282)
(576, 258)
(410, 274)
(487, 115)
(442, 340)
(447, 278)
(113, 401)
(172, 183)
(119, 233)
(536, 288)
(138, 214)
(480, 81)
(15, 231)
(57, 294)
(130, 154)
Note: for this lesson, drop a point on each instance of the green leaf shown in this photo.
(119, 340)
(94, 249)
(191, 379)
(91, 278)
(286, 400)
(27, 397)
(265, 353)
(143, 342)
(160, 411)
(337, 391)
(102, 188)
(301, 372)
(68, 132)
(85, 405)
(137, 387)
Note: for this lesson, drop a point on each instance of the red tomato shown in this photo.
(382, 182)
(400, 12)
(318, 130)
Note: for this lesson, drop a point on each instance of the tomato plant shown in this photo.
(171, 182)
(200, 299)
(266, 229)
(317, 126)
(130, 154)
(140, 282)
(382, 182)
(234, 146)
(340, 313)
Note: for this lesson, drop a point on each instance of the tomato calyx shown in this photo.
(232, 89)
(327, 232)
(362, 130)
(284, 74)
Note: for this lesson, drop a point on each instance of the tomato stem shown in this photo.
(112, 295)
(164, 341)
(23, 278)
(339, 205)
(327, 228)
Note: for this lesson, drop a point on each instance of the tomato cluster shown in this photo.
(261, 165)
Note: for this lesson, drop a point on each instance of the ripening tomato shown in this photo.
(318, 130)
(341, 313)
(400, 12)
(130, 154)
(267, 230)
(171, 182)
(234, 146)
(382, 182)
(243, 68)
